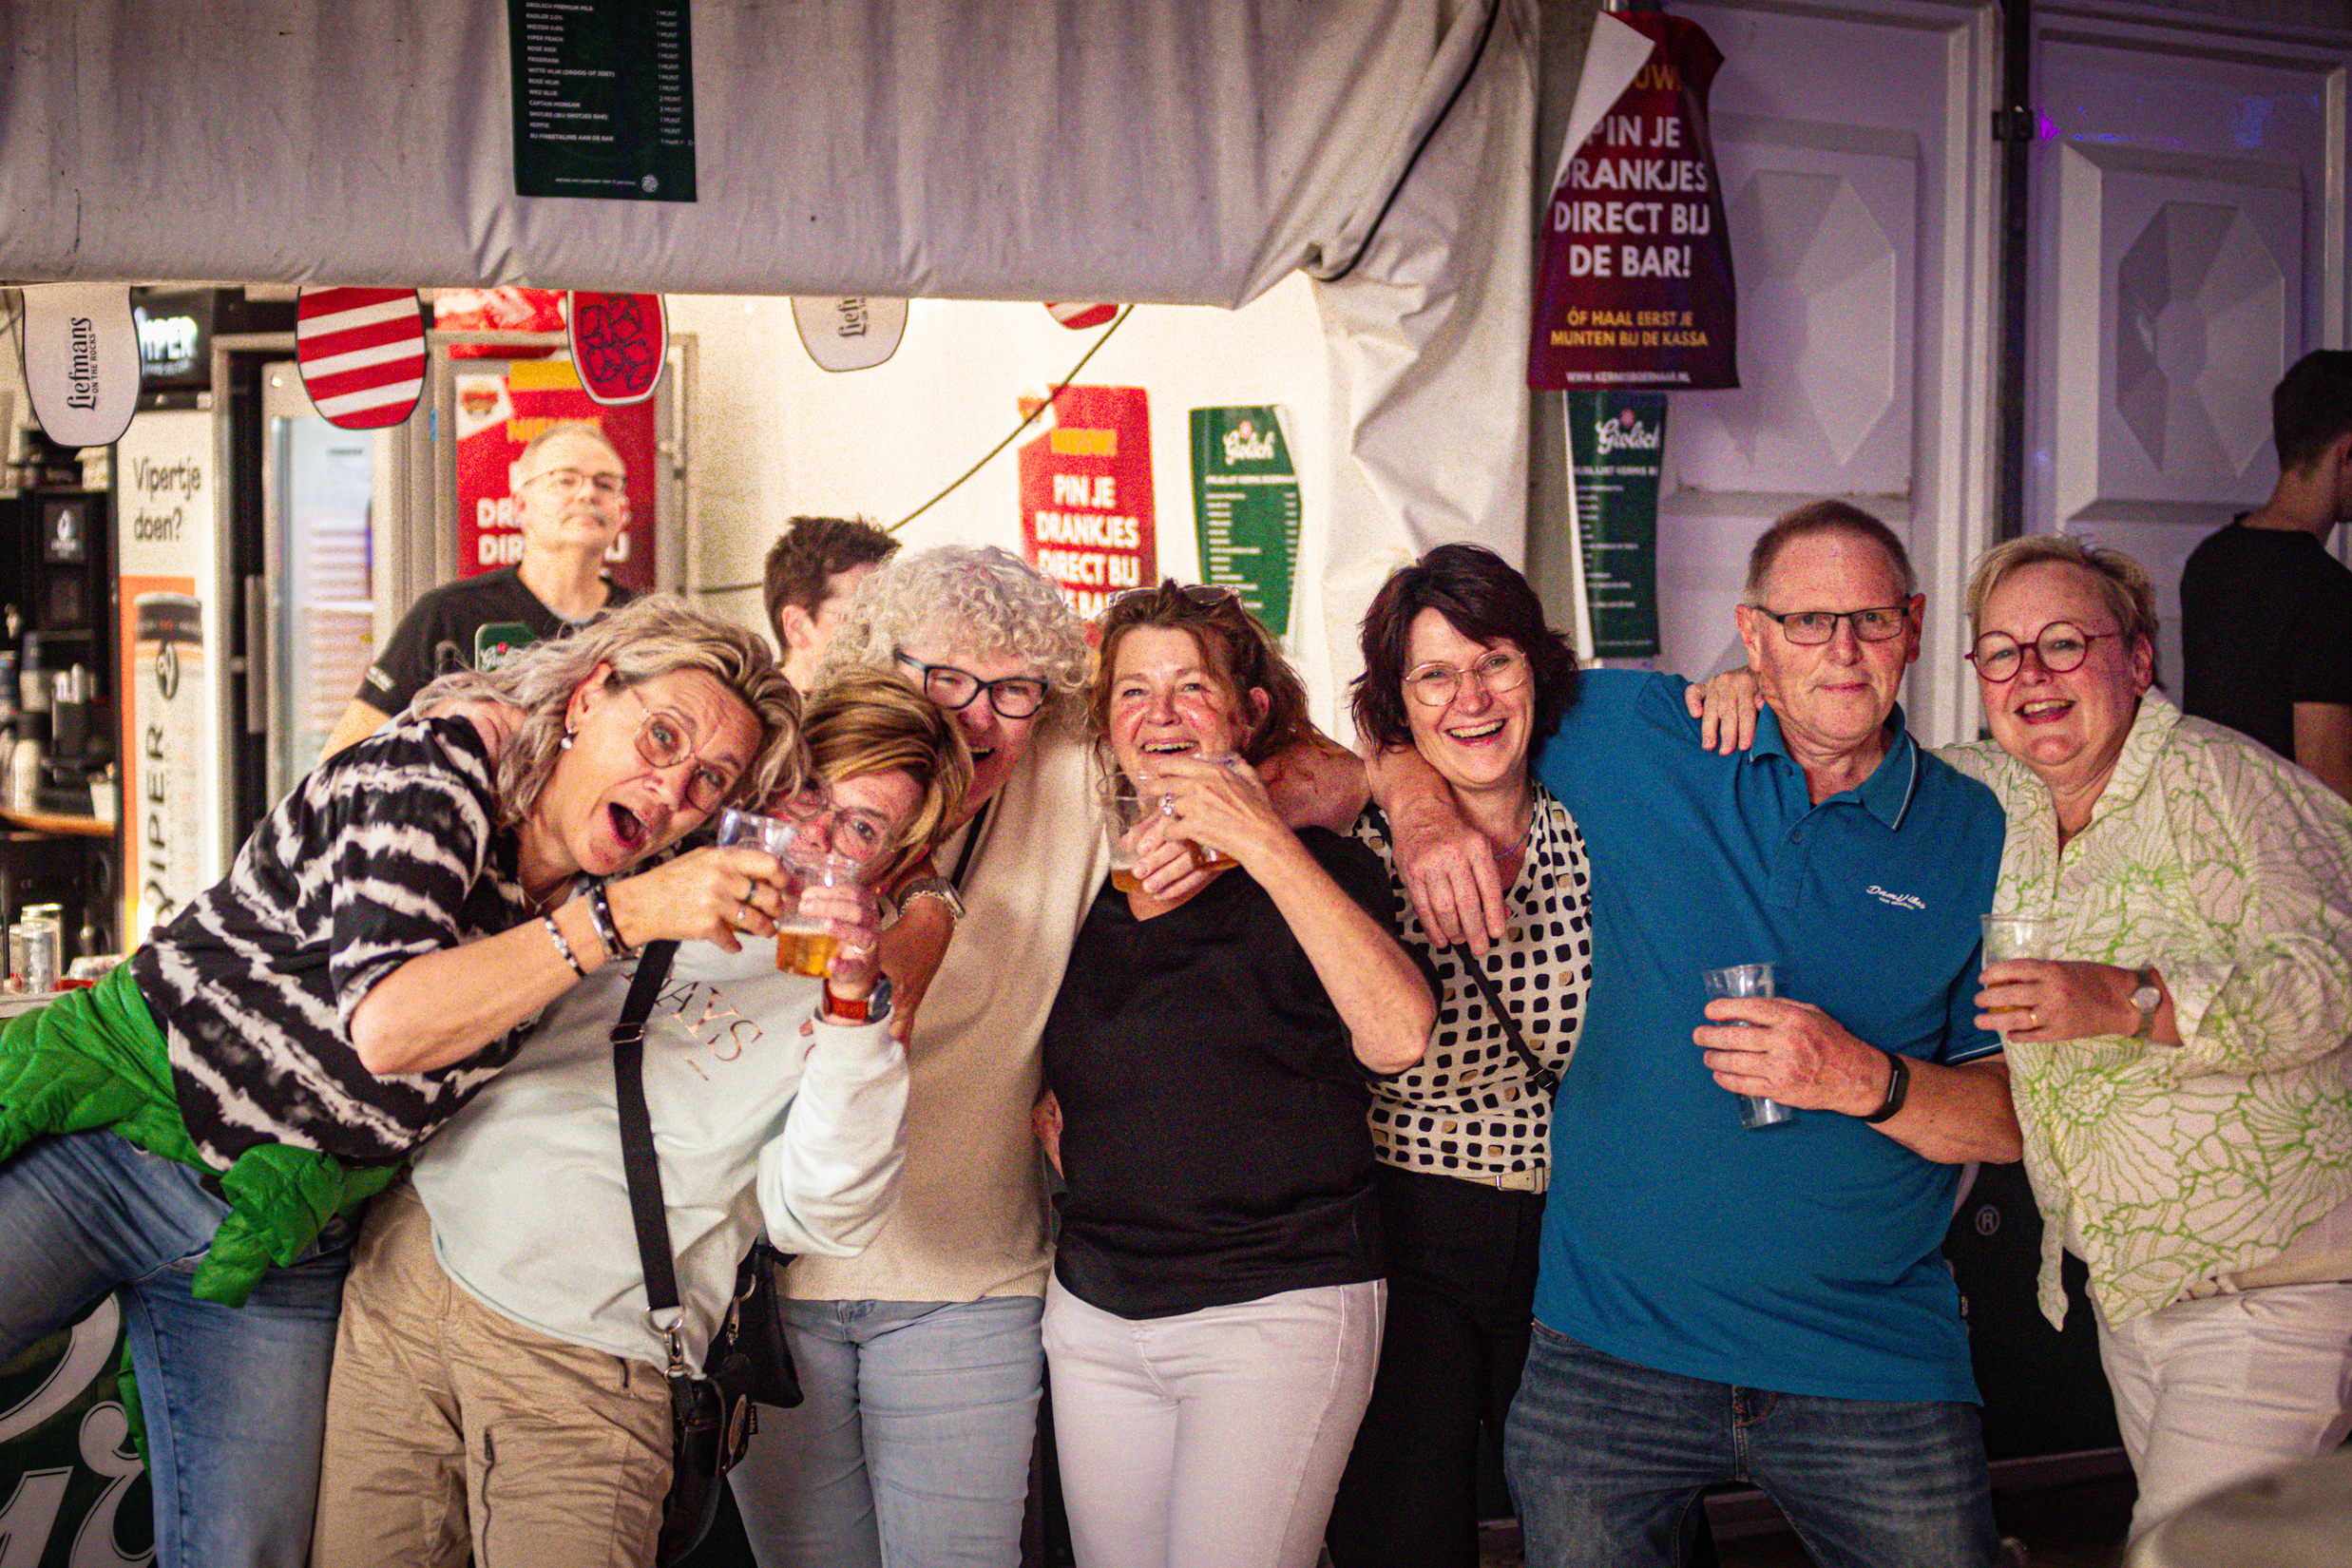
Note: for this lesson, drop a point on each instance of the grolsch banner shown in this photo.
(1635, 290)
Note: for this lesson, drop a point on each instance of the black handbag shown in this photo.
(750, 1362)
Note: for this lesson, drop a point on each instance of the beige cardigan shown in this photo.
(970, 1216)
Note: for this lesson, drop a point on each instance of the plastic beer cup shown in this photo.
(1745, 979)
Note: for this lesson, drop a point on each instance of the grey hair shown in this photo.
(568, 427)
(2122, 583)
(1811, 521)
(656, 636)
(975, 595)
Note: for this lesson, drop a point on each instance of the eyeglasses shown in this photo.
(568, 481)
(1434, 684)
(2062, 647)
(1012, 695)
(665, 741)
(1810, 628)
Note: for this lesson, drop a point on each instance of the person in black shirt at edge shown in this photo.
(2265, 611)
(571, 501)
(1214, 1315)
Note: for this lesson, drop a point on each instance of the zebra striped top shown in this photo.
(387, 850)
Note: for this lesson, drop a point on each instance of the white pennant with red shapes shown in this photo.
(362, 354)
(618, 342)
(1079, 317)
(81, 360)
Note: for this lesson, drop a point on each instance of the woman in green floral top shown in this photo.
(2180, 1056)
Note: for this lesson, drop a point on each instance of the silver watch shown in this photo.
(932, 887)
(2144, 1001)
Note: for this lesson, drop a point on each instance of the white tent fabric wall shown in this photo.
(1189, 152)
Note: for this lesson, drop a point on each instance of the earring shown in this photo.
(565, 744)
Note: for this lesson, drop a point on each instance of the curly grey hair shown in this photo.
(658, 635)
(969, 596)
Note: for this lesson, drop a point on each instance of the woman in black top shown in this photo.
(1214, 1313)
(189, 1131)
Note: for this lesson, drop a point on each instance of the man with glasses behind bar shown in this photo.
(1714, 1302)
(571, 501)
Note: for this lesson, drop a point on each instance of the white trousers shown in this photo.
(1213, 1438)
(2211, 1392)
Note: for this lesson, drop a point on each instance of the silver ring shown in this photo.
(750, 886)
(2033, 1018)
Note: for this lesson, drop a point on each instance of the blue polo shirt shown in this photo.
(1801, 1259)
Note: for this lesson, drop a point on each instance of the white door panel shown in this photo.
(1857, 171)
(2188, 245)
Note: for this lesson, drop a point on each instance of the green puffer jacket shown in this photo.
(94, 1061)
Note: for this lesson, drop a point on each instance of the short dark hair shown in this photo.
(808, 553)
(1483, 599)
(1232, 642)
(2311, 406)
(1814, 519)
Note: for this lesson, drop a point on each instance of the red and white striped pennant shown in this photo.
(362, 354)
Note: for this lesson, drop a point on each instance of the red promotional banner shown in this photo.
(497, 415)
(1635, 290)
(1087, 494)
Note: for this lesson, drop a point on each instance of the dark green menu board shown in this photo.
(1245, 503)
(1615, 440)
(603, 99)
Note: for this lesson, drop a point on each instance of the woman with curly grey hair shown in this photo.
(196, 1131)
(921, 1357)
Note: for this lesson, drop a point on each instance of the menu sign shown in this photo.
(603, 99)
(1635, 289)
(1245, 503)
(1614, 440)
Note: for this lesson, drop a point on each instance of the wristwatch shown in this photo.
(1898, 1089)
(871, 1008)
(932, 887)
(2146, 1000)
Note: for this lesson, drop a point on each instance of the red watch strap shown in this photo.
(847, 1009)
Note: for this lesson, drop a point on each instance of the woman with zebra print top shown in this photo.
(194, 1132)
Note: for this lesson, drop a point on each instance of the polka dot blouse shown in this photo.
(1470, 1109)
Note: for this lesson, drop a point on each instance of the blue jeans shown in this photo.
(913, 1448)
(1606, 1457)
(234, 1397)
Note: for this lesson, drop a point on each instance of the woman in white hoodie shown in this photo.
(499, 1388)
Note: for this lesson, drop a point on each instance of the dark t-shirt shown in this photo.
(1213, 1139)
(475, 624)
(2265, 624)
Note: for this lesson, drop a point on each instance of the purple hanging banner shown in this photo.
(1636, 284)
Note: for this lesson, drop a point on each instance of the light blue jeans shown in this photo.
(234, 1397)
(913, 1448)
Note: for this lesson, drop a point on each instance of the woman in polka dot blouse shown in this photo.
(1460, 665)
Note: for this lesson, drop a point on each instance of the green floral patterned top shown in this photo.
(2231, 871)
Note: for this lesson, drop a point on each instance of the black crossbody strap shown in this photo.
(971, 846)
(1545, 1078)
(636, 1145)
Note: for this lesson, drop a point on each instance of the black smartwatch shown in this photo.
(1898, 1089)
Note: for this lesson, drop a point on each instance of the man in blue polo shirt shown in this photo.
(1716, 1303)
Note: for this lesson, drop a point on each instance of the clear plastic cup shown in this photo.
(1745, 979)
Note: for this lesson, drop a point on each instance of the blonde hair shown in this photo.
(658, 635)
(973, 596)
(2122, 583)
(868, 722)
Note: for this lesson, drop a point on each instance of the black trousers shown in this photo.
(1461, 1282)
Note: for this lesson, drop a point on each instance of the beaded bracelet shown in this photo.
(607, 930)
(555, 934)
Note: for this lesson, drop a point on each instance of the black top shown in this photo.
(389, 850)
(475, 624)
(2265, 624)
(1214, 1136)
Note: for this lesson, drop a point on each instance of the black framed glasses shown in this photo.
(1011, 696)
(1810, 628)
(1435, 684)
(2062, 647)
(665, 741)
